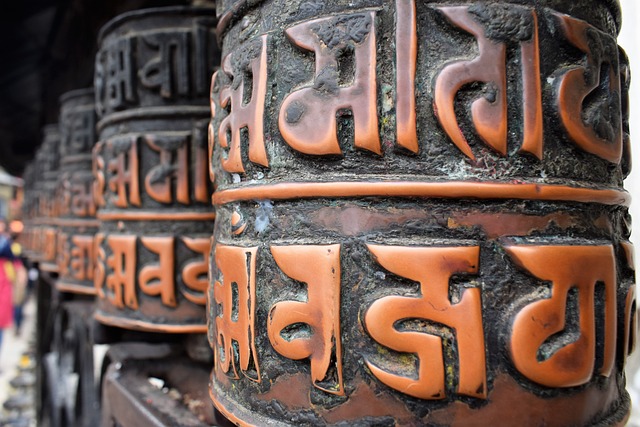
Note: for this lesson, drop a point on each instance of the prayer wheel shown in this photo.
(77, 224)
(26, 238)
(152, 189)
(48, 160)
(420, 214)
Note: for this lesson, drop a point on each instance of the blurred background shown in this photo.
(45, 51)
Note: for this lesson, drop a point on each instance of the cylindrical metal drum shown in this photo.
(28, 210)
(76, 214)
(48, 160)
(38, 202)
(150, 168)
(420, 214)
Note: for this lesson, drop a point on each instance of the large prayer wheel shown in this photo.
(29, 206)
(420, 214)
(48, 160)
(151, 177)
(76, 214)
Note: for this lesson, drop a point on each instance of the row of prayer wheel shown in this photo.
(419, 211)
(122, 206)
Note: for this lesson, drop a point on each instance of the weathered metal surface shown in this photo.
(29, 206)
(420, 214)
(77, 224)
(150, 169)
(48, 162)
(155, 385)
(67, 367)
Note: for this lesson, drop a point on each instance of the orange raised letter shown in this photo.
(406, 54)
(319, 268)
(121, 280)
(243, 114)
(307, 118)
(161, 274)
(597, 130)
(432, 267)
(82, 257)
(124, 167)
(194, 274)
(235, 299)
(173, 164)
(492, 26)
(545, 347)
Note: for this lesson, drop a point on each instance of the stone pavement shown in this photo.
(18, 399)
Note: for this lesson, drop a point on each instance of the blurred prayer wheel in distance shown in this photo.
(29, 205)
(420, 214)
(77, 211)
(150, 169)
(49, 160)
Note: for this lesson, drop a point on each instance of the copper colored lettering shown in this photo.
(82, 200)
(489, 113)
(625, 82)
(64, 195)
(630, 306)
(319, 268)
(235, 321)
(630, 322)
(119, 75)
(158, 279)
(596, 130)
(82, 257)
(250, 114)
(194, 274)
(201, 189)
(124, 169)
(100, 273)
(121, 280)
(210, 130)
(432, 267)
(63, 254)
(546, 346)
(159, 72)
(173, 164)
(98, 168)
(50, 244)
(307, 117)
(82, 131)
(406, 54)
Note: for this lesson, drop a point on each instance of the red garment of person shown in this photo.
(7, 275)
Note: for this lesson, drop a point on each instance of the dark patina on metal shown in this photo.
(46, 227)
(151, 181)
(77, 211)
(421, 217)
(29, 208)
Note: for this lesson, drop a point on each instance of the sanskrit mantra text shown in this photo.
(554, 339)
(586, 96)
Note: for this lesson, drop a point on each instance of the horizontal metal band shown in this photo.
(217, 398)
(155, 112)
(141, 325)
(45, 221)
(426, 190)
(156, 216)
(77, 222)
(74, 288)
(76, 158)
(48, 267)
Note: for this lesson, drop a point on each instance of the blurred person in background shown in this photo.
(19, 284)
(7, 278)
